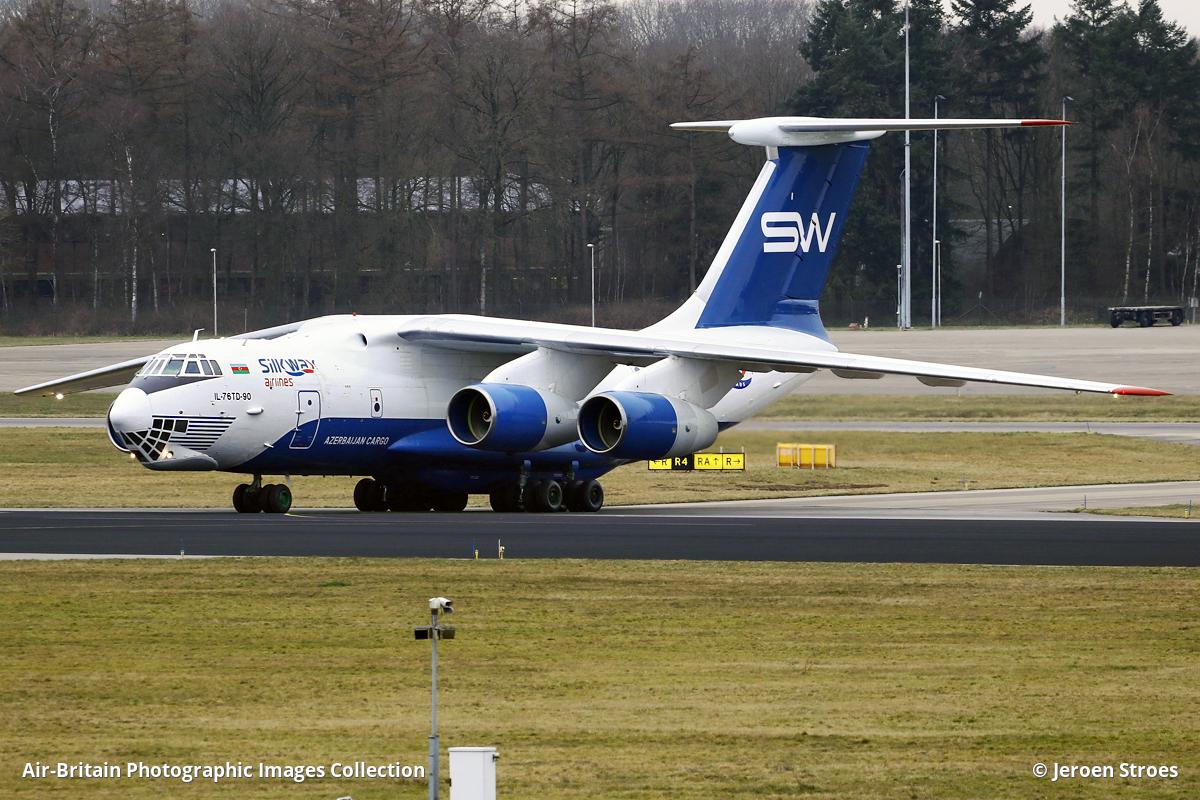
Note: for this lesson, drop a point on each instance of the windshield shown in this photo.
(183, 367)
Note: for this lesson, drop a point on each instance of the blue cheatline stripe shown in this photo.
(420, 448)
(779, 266)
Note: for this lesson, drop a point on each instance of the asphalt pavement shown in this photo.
(666, 533)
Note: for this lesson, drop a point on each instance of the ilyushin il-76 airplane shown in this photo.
(433, 408)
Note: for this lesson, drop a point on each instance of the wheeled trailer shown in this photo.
(1144, 316)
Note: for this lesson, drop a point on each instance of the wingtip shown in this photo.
(1027, 123)
(1140, 391)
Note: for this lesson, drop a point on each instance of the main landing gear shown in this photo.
(251, 498)
(548, 495)
(373, 495)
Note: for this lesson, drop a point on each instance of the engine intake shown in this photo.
(510, 418)
(642, 425)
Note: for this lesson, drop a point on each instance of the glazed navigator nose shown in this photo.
(130, 412)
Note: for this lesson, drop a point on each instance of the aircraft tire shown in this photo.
(362, 494)
(447, 500)
(405, 497)
(544, 496)
(245, 500)
(377, 498)
(275, 498)
(506, 499)
(585, 496)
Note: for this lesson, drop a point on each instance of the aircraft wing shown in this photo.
(102, 378)
(634, 347)
(122, 373)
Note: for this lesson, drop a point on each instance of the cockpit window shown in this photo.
(216, 368)
(173, 366)
(207, 367)
(193, 368)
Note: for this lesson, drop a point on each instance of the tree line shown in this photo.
(412, 156)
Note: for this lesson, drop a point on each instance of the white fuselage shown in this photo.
(346, 395)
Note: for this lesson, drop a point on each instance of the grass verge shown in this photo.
(606, 679)
(85, 404)
(1174, 511)
(26, 341)
(912, 408)
(944, 407)
(45, 467)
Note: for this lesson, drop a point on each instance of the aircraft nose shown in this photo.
(130, 412)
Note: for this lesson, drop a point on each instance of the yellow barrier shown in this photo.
(806, 456)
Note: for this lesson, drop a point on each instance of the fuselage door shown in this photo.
(308, 419)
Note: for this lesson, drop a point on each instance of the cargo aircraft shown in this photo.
(432, 408)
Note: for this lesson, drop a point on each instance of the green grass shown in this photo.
(78, 467)
(604, 680)
(801, 406)
(1174, 511)
(25, 341)
(85, 404)
(942, 407)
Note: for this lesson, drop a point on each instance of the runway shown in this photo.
(673, 532)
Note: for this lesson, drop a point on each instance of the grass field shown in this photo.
(936, 407)
(26, 341)
(85, 404)
(78, 467)
(1064, 407)
(606, 679)
(1173, 511)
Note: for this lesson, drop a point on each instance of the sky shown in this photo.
(1185, 12)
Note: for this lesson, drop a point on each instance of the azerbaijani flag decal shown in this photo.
(239, 369)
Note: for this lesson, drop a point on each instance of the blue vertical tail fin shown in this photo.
(773, 263)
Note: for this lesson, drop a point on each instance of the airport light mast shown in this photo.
(906, 275)
(213, 250)
(1062, 243)
(433, 631)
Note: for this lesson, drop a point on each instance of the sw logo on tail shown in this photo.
(789, 226)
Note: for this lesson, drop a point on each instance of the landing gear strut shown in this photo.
(547, 496)
(374, 495)
(252, 498)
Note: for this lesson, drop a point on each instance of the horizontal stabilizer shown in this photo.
(809, 131)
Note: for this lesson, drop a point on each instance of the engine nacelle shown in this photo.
(642, 425)
(510, 418)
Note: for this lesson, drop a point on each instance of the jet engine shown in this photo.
(642, 425)
(510, 418)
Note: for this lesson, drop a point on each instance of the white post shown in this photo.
(592, 249)
(1062, 290)
(433, 736)
(906, 301)
(934, 284)
(214, 255)
(937, 278)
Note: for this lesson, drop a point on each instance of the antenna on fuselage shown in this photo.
(196, 334)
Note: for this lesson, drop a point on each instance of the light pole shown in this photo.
(1062, 278)
(906, 300)
(433, 631)
(213, 250)
(592, 250)
(935, 278)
